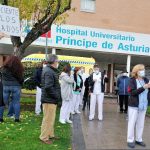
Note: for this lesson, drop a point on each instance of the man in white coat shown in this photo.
(97, 88)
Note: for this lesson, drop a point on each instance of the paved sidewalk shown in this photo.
(109, 133)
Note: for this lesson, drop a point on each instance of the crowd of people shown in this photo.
(75, 88)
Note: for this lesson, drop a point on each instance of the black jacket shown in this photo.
(76, 87)
(1, 91)
(134, 92)
(86, 84)
(50, 86)
(37, 76)
(91, 83)
(9, 79)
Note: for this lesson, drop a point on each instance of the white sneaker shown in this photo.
(62, 121)
(73, 113)
(90, 119)
(78, 112)
(100, 119)
(69, 121)
(37, 114)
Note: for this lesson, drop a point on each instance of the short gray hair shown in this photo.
(52, 58)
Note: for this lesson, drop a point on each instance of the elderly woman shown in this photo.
(139, 87)
(66, 94)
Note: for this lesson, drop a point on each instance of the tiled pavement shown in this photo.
(107, 134)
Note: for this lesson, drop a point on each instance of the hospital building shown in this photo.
(116, 33)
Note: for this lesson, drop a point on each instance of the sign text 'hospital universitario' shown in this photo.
(77, 37)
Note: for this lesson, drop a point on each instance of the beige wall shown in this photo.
(124, 15)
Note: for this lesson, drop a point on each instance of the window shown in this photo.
(88, 5)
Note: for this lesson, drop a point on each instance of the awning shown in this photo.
(73, 60)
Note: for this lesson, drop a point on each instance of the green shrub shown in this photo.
(30, 68)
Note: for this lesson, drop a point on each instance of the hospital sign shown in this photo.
(103, 40)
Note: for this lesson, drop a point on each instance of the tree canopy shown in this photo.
(43, 13)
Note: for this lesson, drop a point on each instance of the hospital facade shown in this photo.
(116, 33)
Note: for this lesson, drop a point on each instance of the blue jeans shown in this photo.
(14, 92)
(11, 111)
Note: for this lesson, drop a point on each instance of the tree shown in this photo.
(43, 12)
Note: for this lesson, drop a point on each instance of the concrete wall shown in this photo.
(124, 15)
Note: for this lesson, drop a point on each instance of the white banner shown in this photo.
(9, 20)
(77, 37)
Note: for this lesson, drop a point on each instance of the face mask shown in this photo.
(82, 70)
(57, 65)
(44, 65)
(97, 71)
(141, 73)
(79, 72)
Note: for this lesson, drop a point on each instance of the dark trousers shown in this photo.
(123, 100)
(86, 101)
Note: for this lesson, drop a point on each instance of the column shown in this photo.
(128, 64)
(111, 78)
(54, 51)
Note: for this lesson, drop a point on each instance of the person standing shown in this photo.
(50, 97)
(12, 78)
(77, 87)
(139, 87)
(1, 92)
(37, 77)
(122, 84)
(97, 88)
(86, 98)
(84, 76)
(66, 80)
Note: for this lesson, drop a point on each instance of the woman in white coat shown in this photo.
(139, 88)
(67, 81)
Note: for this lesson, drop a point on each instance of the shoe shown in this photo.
(83, 109)
(37, 114)
(54, 138)
(125, 112)
(100, 119)
(140, 143)
(78, 112)
(73, 113)
(11, 116)
(62, 121)
(69, 121)
(47, 142)
(1, 120)
(121, 111)
(90, 119)
(17, 120)
(131, 145)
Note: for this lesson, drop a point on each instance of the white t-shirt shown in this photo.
(97, 85)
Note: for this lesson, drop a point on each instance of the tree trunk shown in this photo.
(18, 51)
